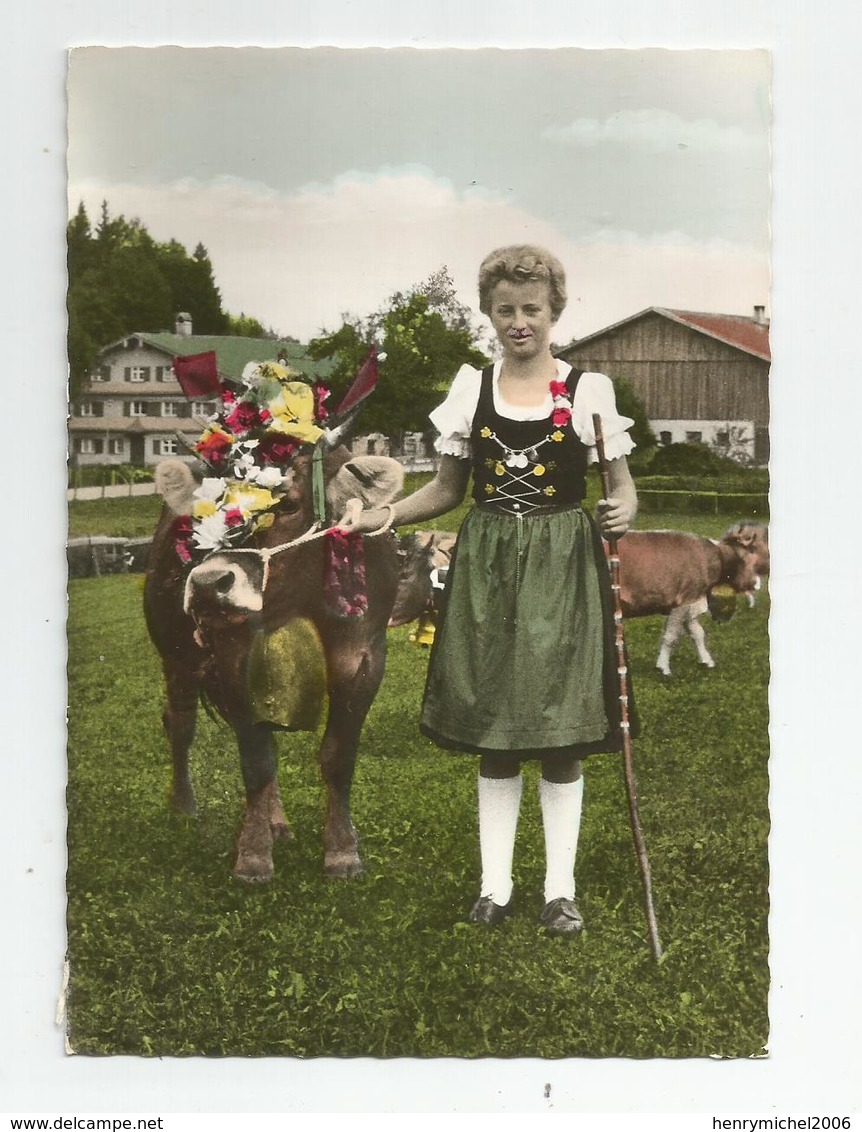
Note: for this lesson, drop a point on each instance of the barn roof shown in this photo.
(740, 331)
(232, 352)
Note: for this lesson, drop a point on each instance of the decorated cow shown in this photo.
(257, 605)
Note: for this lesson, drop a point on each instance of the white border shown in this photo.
(813, 1065)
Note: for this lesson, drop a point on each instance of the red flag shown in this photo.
(362, 384)
(197, 374)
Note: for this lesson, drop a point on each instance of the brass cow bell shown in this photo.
(423, 634)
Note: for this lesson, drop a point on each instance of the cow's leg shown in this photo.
(750, 595)
(698, 635)
(354, 677)
(178, 720)
(281, 831)
(674, 627)
(258, 763)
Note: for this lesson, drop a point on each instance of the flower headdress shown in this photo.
(248, 444)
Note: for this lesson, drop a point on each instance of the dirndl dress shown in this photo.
(523, 658)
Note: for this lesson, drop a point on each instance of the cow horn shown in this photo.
(338, 433)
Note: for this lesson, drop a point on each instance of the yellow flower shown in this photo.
(264, 522)
(279, 372)
(558, 436)
(549, 490)
(489, 489)
(248, 497)
(490, 463)
(539, 470)
(293, 411)
(486, 432)
(499, 470)
(202, 508)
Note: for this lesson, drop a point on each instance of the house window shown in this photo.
(117, 447)
(665, 437)
(89, 446)
(169, 409)
(164, 373)
(137, 408)
(86, 409)
(167, 446)
(693, 437)
(137, 374)
(202, 408)
(103, 373)
(722, 439)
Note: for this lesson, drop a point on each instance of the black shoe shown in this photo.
(561, 917)
(485, 911)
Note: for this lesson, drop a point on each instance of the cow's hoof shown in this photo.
(254, 870)
(281, 831)
(342, 865)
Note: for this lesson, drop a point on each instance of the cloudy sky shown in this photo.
(321, 180)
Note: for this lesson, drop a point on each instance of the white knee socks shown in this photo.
(499, 805)
(561, 817)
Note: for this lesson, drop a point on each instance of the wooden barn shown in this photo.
(701, 377)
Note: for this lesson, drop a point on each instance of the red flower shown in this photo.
(182, 537)
(214, 446)
(561, 416)
(558, 389)
(264, 416)
(321, 394)
(233, 517)
(228, 399)
(276, 449)
(243, 418)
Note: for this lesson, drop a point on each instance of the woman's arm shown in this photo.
(442, 494)
(616, 514)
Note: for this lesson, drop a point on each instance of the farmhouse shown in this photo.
(701, 377)
(133, 411)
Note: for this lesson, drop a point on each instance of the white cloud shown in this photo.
(298, 261)
(655, 131)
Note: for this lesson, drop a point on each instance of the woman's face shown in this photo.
(521, 317)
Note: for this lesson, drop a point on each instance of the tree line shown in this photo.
(121, 280)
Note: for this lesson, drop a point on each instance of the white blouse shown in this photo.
(453, 419)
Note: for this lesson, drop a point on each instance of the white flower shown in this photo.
(268, 477)
(251, 375)
(244, 465)
(211, 488)
(209, 533)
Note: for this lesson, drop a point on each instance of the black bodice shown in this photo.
(519, 466)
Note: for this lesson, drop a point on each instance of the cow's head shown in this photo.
(744, 549)
(230, 584)
(423, 560)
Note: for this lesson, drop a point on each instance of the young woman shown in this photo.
(521, 667)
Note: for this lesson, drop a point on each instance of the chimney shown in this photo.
(760, 315)
(183, 324)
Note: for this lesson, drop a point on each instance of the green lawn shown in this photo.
(169, 955)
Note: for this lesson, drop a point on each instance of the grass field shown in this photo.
(170, 956)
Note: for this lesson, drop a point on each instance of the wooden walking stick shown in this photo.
(622, 674)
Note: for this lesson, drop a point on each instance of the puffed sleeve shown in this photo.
(453, 419)
(595, 394)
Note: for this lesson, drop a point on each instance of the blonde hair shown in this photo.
(523, 263)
